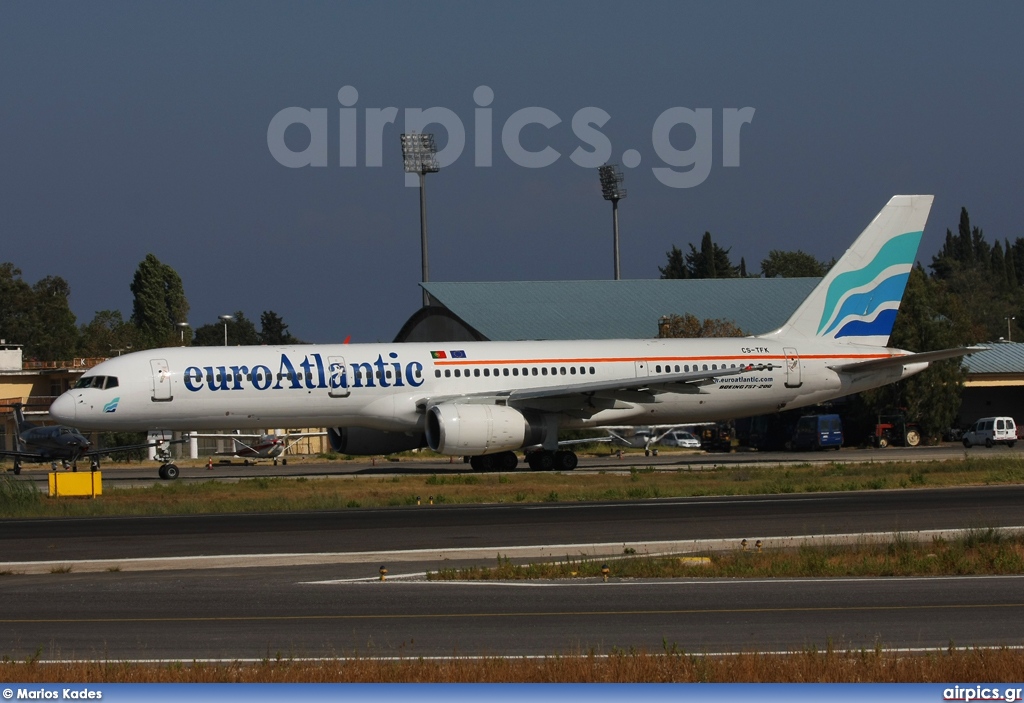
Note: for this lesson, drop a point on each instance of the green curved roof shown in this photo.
(511, 310)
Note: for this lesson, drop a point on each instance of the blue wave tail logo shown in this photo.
(112, 405)
(863, 302)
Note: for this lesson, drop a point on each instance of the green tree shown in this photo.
(37, 316)
(159, 303)
(273, 330)
(710, 261)
(930, 318)
(688, 326)
(241, 331)
(15, 305)
(676, 266)
(106, 332)
(792, 264)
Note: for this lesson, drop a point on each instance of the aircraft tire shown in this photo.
(17, 469)
(507, 461)
(566, 460)
(162, 473)
(245, 463)
(170, 472)
(542, 460)
(284, 462)
(967, 444)
(482, 463)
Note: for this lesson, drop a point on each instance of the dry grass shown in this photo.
(987, 551)
(18, 499)
(989, 665)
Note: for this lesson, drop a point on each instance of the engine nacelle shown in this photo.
(471, 430)
(365, 441)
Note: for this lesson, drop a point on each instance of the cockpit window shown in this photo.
(97, 382)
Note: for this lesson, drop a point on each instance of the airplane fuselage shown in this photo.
(386, 386)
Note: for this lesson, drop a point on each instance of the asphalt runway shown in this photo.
(184, 608)
(669, 460)
(257, 613)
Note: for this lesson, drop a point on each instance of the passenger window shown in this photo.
(534, 370)
(476, 372)
(515, 371)
(458, 373)
(447, 373)
(544, 371)
(505, 371)
(592, 370)
(572, 370)
(437, 373)
(487, 372)
(657, 368)
(561, 370)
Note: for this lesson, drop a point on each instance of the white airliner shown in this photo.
(486, 400)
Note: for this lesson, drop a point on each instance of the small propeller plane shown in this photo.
(60, 443)
(269, 445)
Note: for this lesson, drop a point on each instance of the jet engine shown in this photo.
(365, 441)
(471, 430)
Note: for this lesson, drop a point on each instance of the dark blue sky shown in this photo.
(129, 128)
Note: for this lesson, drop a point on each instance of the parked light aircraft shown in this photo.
(269, 445)
(486, 400)
(59, 443)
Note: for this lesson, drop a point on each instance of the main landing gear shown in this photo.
(540, 460)
(168, 472)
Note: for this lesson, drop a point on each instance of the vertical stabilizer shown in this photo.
(857, 301)
(19, 418)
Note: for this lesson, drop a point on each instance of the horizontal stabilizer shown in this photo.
(903, 360)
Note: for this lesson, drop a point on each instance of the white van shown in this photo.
(991, 430)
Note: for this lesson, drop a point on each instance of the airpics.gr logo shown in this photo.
(680, 168)
(112, 405)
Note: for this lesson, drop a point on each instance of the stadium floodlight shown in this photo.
(420, 156)
(611, 189)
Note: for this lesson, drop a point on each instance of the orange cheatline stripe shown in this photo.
(688, 359)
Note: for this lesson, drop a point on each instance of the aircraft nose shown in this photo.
(63, 409)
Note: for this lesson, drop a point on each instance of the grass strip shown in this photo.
(829, 665)
(20, 499)
(984, 551)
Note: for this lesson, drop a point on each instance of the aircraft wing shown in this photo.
(103, 451)
(892, 361)
(592, 396)
(31, 456)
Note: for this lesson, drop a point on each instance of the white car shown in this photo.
(679, 438)
(991, 430)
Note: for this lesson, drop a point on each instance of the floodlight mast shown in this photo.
(419, 154)
(611, 189)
